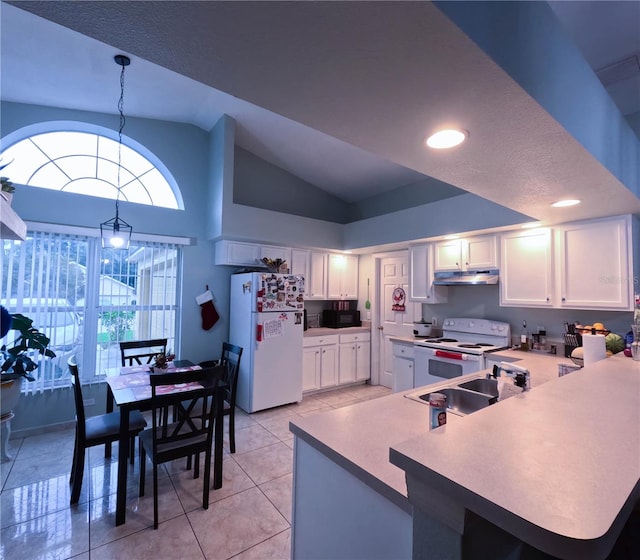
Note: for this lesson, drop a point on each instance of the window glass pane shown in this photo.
(52, 160)
(87, 300)
(58, 144)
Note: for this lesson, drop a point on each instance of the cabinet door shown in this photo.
(421, 288)
(311, 368)
(272, 252)
(402, 374)
(236, 253)
(363, 360)
(526, 271)
(448, 255)
(300, 263)
(342, 277)
(480, 253)
(350, 278)
(594, 268)
(348, 361)
(328, 365)
(316, 284)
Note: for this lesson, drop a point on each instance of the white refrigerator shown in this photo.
(266, 320)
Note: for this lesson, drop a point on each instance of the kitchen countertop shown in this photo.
(324, 331)
(522, 442)
(558, 466)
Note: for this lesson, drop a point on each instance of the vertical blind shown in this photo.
(87, 299)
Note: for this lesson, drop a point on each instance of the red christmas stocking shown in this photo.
(208, 311)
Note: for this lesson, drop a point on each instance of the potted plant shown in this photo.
(17, 362)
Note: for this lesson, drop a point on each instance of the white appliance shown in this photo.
(460, 351)
(266, 320)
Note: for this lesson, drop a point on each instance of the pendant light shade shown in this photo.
(116, 233)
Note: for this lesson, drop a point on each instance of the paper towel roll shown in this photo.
(594, 347)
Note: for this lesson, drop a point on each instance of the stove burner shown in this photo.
(483, 344)
(445, 340)
(471, 345)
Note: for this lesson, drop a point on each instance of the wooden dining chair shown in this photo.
(182, 426)
(230, 359)
(95, 430)
(140, 352)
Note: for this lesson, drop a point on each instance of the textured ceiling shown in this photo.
(343, 93)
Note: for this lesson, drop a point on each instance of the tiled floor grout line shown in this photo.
(270, 430)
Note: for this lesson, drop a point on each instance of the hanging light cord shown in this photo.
(120, 129)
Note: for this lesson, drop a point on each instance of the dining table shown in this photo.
(129, 388)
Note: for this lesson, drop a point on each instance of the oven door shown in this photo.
(434, 365)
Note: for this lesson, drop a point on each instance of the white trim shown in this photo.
(95, 232)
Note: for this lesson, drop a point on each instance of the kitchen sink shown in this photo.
(481, 385)
(459, 401)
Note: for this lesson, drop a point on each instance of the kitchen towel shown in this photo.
(594, 348)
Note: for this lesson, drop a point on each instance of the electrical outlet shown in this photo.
(88, 402)
(368, 315)
(434, 321)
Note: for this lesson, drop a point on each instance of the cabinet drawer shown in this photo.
(355, 337)
(308, 341)
(403, 350)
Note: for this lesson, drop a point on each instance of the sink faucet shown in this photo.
(521, 376)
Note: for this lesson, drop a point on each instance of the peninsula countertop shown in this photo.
(558, 466)
(605, 427)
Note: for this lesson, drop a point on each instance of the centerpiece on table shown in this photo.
(161, 361)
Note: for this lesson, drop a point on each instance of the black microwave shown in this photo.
(337, 319)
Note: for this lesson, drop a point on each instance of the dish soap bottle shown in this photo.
(524, 338)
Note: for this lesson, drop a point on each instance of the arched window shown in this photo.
(83, 159)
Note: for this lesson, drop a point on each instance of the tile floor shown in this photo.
(248, 518)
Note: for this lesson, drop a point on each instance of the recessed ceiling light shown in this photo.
(447, 138)
(564, 203)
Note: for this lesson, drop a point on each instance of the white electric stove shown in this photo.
(460, 350)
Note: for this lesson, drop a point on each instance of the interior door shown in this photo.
(394, 273)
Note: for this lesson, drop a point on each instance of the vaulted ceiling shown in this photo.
(341, 94)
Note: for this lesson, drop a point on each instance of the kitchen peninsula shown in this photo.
(557, 467)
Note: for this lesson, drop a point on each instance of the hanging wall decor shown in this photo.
(399, 297)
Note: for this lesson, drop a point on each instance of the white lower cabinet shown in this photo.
(403, 367)
(355, 358)
(320, 362)
(333, 360)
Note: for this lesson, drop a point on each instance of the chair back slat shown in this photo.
(139, 352)
(77, 395)
(230, 359)
(175, 424)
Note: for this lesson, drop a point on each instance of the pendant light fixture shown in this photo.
(116, 233)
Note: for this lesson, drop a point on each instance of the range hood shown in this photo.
(476, 278)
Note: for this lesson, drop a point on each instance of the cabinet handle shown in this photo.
(547, 299)
(457, 264)
(410, 366)
(564, 299)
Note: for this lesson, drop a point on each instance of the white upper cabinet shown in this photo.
(594, 265)
(342, 277)
(236, 253)
(300, 262)
(526, 269)
(473, 253)
(421, 288)
(586, 265)
(273, 252)
(316, 282)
